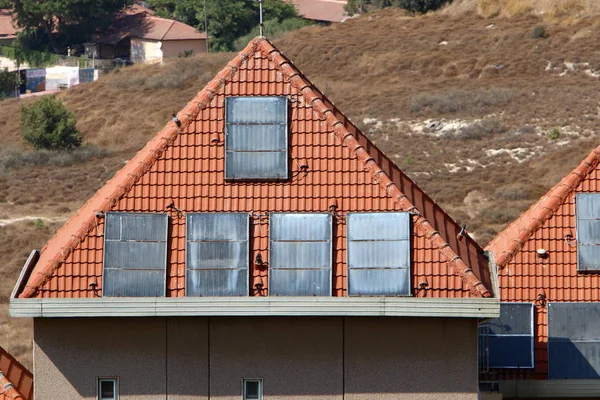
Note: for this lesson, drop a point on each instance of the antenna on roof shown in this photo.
(260, 11)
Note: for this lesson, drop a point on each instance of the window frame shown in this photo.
(247, 257)
(329, 258)
(226, 172)
(409, 269)
(105, 240)
(580, 268)
(260, 388)
(114, 380)
(532, 339)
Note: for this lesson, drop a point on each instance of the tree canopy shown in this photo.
(227, 19)
(57, 24)
(415, 6)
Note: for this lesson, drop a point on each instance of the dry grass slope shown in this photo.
(461, 102)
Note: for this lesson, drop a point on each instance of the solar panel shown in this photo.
(378, 254)
(256, 138)
(217, 254)
(135, 254)
(588, 231)
(507, 341)
(300, 254)
(574, 340)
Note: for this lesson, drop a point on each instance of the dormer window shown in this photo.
(379, 254)
(256, 138)
(588, 231)
(135, 254)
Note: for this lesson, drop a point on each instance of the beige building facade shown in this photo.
(325, 358)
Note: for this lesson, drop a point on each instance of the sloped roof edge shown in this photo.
(55, 252)
(22, 387)
(512, 239)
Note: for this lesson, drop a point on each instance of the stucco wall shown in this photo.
(297, 358)
(172, 48)
(145, 50)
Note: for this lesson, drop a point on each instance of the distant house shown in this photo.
(546, 342)
(321, 10)
(8, 33)
(259, 246)
(16, 382)
(140, 36)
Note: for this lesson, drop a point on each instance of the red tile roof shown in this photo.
(7, 29)
(185, 167)
(525, 277)
(16, 382)
(140, 22)
(321, 10)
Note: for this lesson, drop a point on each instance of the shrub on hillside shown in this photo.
(47, 124)
(8, 83)
(539, 32)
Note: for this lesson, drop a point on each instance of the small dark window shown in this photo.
(252, 389)
(507, 341)
(256, 138)
(107, 389)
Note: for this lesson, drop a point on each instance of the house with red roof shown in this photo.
(546, 342)
(259, 246)
(140, 36)
(16, 382)
(8, 32)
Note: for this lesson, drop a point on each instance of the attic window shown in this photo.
(507, 341)
(256, 138)
(300, 254)
(135, 255)
(379, 254)
(588, 231)
(217, 254)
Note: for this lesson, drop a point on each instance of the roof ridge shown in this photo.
(379, 176)
(514, 236)
(7, 388)
(126, 177)
(168, 29)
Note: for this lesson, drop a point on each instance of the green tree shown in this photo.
(414, 6)
(47, 124)
(227, 19)
(56, 24)
(8, 83)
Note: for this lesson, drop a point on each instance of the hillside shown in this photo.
(484, 116)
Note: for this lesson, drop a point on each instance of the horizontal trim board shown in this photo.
(570, 388)
(256, 306)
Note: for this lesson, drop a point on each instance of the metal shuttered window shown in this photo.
(574, 340)
(256, 138)
(588, 231)
(300, 254)
(507, 341)
(378, 254)
(135, 254)
(217, 254)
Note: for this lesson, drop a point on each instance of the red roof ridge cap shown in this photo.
(520, 230)
(126, 177)
(379, 176)
(8, 389)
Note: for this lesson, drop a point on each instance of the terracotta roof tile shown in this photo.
(16, 382)
(7, 29)
(185, 167)
(321, 10)
(525, 277)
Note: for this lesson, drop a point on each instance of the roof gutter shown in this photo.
(471, 307)
(33, 258)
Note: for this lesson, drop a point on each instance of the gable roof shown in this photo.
(439, 236)
(512, 239)
(321, 10)
(7, 29)
(16, 382)
(140, 22)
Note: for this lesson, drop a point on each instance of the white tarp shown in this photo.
(61, 76)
